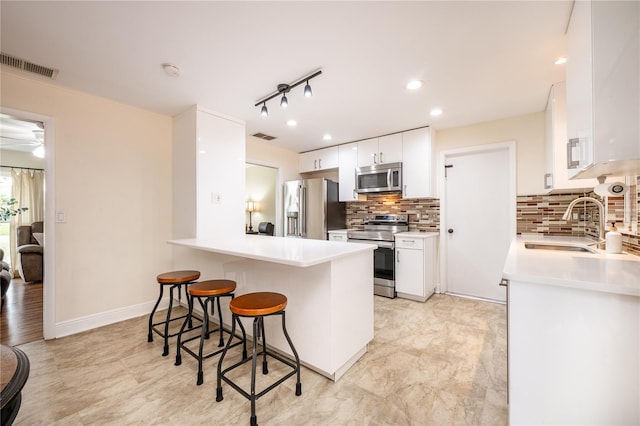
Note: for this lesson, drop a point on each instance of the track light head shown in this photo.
(264, 111)
(307, 90)
(283, 102)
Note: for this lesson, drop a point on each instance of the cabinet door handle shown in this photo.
(405, 190)
(571, 163)
(315, 164)
(548, 180)
(381, 161)
(375, 158)
(397, 257)
(320, 163)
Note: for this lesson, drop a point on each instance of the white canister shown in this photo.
(613, 240)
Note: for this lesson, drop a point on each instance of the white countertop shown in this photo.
(601, 271)
(416, 234)
(287, 251)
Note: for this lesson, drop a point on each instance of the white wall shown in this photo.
(112, 165)
(527, 130)
(260, 152)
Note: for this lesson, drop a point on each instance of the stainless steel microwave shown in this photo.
(379, 178)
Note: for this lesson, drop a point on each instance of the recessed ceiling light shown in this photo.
(435, 112)
(561, 60)
(292, 123)
(326, 137)
(415, 84)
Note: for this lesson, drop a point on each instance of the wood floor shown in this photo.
(21, 319)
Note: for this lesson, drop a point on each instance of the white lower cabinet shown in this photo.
(416, 260)
(573, 355)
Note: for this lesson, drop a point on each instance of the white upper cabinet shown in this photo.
(367, 152)
(348, 155)
(417, 164)
(557, 177)
(603, 89)
(320, 159)
(385, 149)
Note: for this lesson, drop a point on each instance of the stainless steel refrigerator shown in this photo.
(312, 209)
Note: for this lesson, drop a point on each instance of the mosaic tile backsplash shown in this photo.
(542, 214)
(424, 213)
(536, 214)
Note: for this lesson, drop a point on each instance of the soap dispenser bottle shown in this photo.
(613, 240)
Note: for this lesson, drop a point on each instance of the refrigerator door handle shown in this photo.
(303, 212)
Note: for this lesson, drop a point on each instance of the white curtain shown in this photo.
(28, 189)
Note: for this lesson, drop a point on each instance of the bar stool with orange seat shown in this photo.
(211, 291)
(173, 279)
(258, 306)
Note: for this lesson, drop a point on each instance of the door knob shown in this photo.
(450, 230)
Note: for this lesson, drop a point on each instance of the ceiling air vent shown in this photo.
(23, 65)
(263, 136)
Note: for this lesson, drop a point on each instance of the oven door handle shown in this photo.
(379, 244)
(384, 244)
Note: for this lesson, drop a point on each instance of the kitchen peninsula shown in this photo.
(573, 333)
(329, 287)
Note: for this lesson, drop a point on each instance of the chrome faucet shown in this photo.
(567, 214)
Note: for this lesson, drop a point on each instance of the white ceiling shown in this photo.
(479, 60)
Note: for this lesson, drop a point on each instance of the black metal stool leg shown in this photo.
(265, 368)
(244, 335)
(234, 318)
(153, 311)
(221, 344)
(205, 331)
(256, 331)
(295, 354)
(179, 343)
(165, 351)
(189, 301)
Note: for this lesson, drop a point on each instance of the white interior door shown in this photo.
(479, 219)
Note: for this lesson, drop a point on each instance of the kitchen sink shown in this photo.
(560, 247)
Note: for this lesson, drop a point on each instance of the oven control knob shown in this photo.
(450, 230)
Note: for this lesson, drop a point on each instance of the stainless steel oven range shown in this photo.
(380, 230)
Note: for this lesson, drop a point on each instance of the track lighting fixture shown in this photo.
(283, 89)
(307, 90)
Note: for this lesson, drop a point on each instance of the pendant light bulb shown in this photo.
(264, 111)
(284, 102)
(307, 90)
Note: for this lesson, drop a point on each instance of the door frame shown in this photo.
(278, 228)
(49, 273)
(444, 155)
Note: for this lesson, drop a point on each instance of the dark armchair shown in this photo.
(5, 278)
(266, 228)
(31, 252)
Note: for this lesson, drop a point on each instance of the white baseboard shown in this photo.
(89, 322)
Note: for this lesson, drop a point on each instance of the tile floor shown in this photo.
(441, 362)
